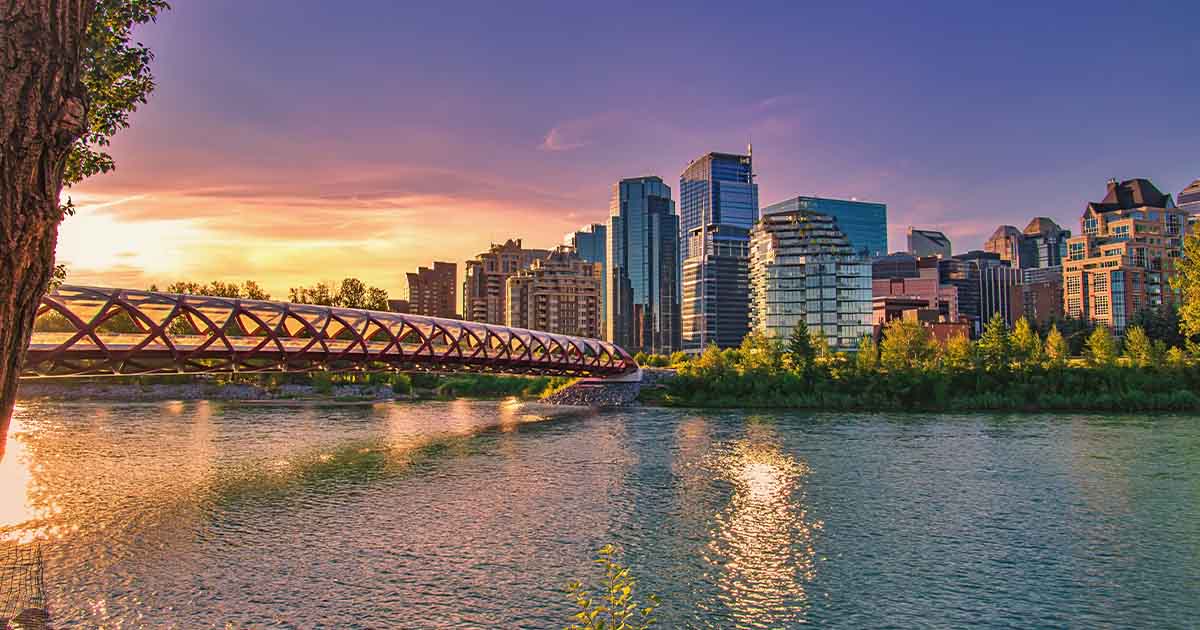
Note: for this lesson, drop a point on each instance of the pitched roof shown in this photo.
(1041, 225)
(1129, 194)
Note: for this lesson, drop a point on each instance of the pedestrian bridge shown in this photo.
(83, 331)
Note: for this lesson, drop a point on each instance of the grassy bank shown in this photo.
(331, 385)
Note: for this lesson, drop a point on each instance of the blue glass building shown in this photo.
(642, 313)
(864, 222)
(718, 205)
(591, 243)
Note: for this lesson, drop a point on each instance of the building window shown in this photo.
(1074, 307)
(1101, 305)
(1089, 226)
(1073, 284)
(1099, 282)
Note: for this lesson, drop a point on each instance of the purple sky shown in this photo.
(290, 141)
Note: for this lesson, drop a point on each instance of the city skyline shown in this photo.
(384, 138)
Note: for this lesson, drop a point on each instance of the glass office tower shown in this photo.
(643, 267)
(718, 206)
(863, 222)
(591, 243)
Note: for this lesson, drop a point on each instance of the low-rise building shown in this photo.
(559, 293)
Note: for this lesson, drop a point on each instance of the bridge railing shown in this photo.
(92, 330)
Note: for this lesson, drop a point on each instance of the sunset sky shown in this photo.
(293, 142)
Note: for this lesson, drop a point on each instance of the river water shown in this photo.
(475, 514)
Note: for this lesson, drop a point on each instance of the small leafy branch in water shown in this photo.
(612, 606)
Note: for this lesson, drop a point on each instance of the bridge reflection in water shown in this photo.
(96, 331)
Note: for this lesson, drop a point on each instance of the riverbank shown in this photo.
(1120, 389)
(293, 387)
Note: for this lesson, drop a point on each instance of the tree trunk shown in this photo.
(42, 114)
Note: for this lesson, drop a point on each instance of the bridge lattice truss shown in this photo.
(93, 331)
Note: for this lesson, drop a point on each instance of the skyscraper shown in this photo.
(643, 267)
(591, 243)
(718, 206)
(928, 243)
(803, 268)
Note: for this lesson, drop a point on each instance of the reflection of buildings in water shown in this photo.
(762, 548)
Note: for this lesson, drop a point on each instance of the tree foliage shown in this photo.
(1138, 348)
(959, 354)
(995, 345)
(1057, 352)
(351, 293)
(613, 603)
(906, 346)
(249, 290)
(1187, 281)
(1101, 350)
(1026, 344)
(801, 351)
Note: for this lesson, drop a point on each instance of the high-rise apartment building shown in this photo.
(863, 222)
(1126, 256)
(928, 243)
(431, 291)
(802, 267)
(559, 293)
(642, 257)
(485, 291)
(718, 205)
(591, 243)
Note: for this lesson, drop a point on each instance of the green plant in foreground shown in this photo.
(612, 606)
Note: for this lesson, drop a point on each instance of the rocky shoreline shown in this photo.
(140, 392)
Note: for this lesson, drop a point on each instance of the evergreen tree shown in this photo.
(1026, 344)
(995, 346)
(800, 347)
(1101, 350)
(1138, 348)
(1057, 351)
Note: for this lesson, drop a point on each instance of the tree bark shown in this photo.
(43, 107)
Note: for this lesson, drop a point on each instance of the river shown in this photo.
(475, 514)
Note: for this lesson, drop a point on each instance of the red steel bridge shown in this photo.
(100, 331)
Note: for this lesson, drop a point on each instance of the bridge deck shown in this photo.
(90, 330)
